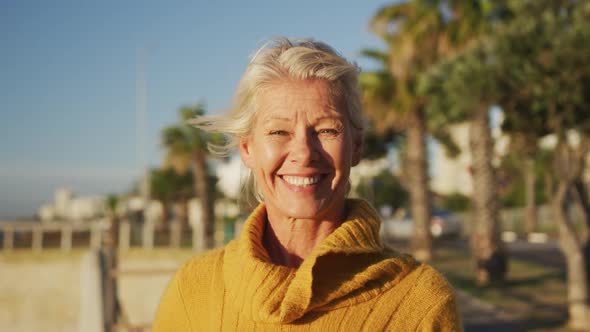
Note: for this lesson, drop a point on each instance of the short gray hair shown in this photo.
(279, 59)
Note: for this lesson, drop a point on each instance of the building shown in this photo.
(453, 175)
(68, 207)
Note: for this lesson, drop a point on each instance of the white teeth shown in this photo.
(302, 181)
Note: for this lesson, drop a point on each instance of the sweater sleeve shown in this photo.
(443, 316)
(172, 314)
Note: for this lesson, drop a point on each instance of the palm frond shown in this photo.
(379, 56)
(442, 135)
(388, 19)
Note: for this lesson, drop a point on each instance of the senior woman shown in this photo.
(308, 258)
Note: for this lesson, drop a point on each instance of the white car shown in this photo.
(442, 224)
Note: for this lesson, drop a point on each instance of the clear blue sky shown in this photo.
(68, 79)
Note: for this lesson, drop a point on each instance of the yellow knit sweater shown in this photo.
(350, 282)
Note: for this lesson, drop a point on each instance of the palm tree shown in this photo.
(472, 82)
(538, 60)
(418, 34)
(552, 46)
(186, 148)
(525, 131)
(453, 96)
(414, 34)
(463, 89)
(167, 186)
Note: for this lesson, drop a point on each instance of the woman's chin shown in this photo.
(310, 209)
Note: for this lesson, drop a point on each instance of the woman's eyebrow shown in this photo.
(332, 116)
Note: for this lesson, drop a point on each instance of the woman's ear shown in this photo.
(246, 152)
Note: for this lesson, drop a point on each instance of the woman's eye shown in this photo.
(278, 132)
(328, 131)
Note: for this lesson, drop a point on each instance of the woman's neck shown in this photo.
(288, 241)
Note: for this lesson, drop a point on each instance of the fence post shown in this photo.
(124, 235)
(198, 240)
(175, 233)
(110, 266)
(66, 238)
(38, 238)
(8, 238)
(148, 235)
(91, 311)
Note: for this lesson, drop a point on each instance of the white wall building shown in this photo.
(453, 175)
(63, 197)
(67, 206)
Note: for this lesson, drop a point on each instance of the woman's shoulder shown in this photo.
(429, 279)
(425, 286)
(422, 270)
(195, 278)
(436, 300)
(425, 298)
(201, 264)
(188, 292)
(420, 278)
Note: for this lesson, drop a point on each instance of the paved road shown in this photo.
(547, 254)
(480, 316)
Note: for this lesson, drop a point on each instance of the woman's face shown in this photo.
(301, 149)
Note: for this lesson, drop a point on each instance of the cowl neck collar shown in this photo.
(349, 266)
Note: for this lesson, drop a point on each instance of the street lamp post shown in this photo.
(141, 126)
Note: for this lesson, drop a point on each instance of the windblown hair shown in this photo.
(284, 59)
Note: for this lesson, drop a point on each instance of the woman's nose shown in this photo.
(303, 148)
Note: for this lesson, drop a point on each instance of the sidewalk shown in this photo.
(478, 315)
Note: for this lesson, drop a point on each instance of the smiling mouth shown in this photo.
(302, 181)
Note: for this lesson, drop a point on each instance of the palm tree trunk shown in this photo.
(548, 181)
(417, 171)
(582, 195)
(487, 247)
(530, 193)
(577, 279)
(580, 188)
(199, 167)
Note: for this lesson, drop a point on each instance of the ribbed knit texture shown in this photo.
(349, 282)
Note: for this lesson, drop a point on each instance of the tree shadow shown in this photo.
(538, 313)
(536, 280)
(515, 325)
(508, 286)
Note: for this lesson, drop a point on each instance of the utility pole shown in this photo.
(142, 125)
